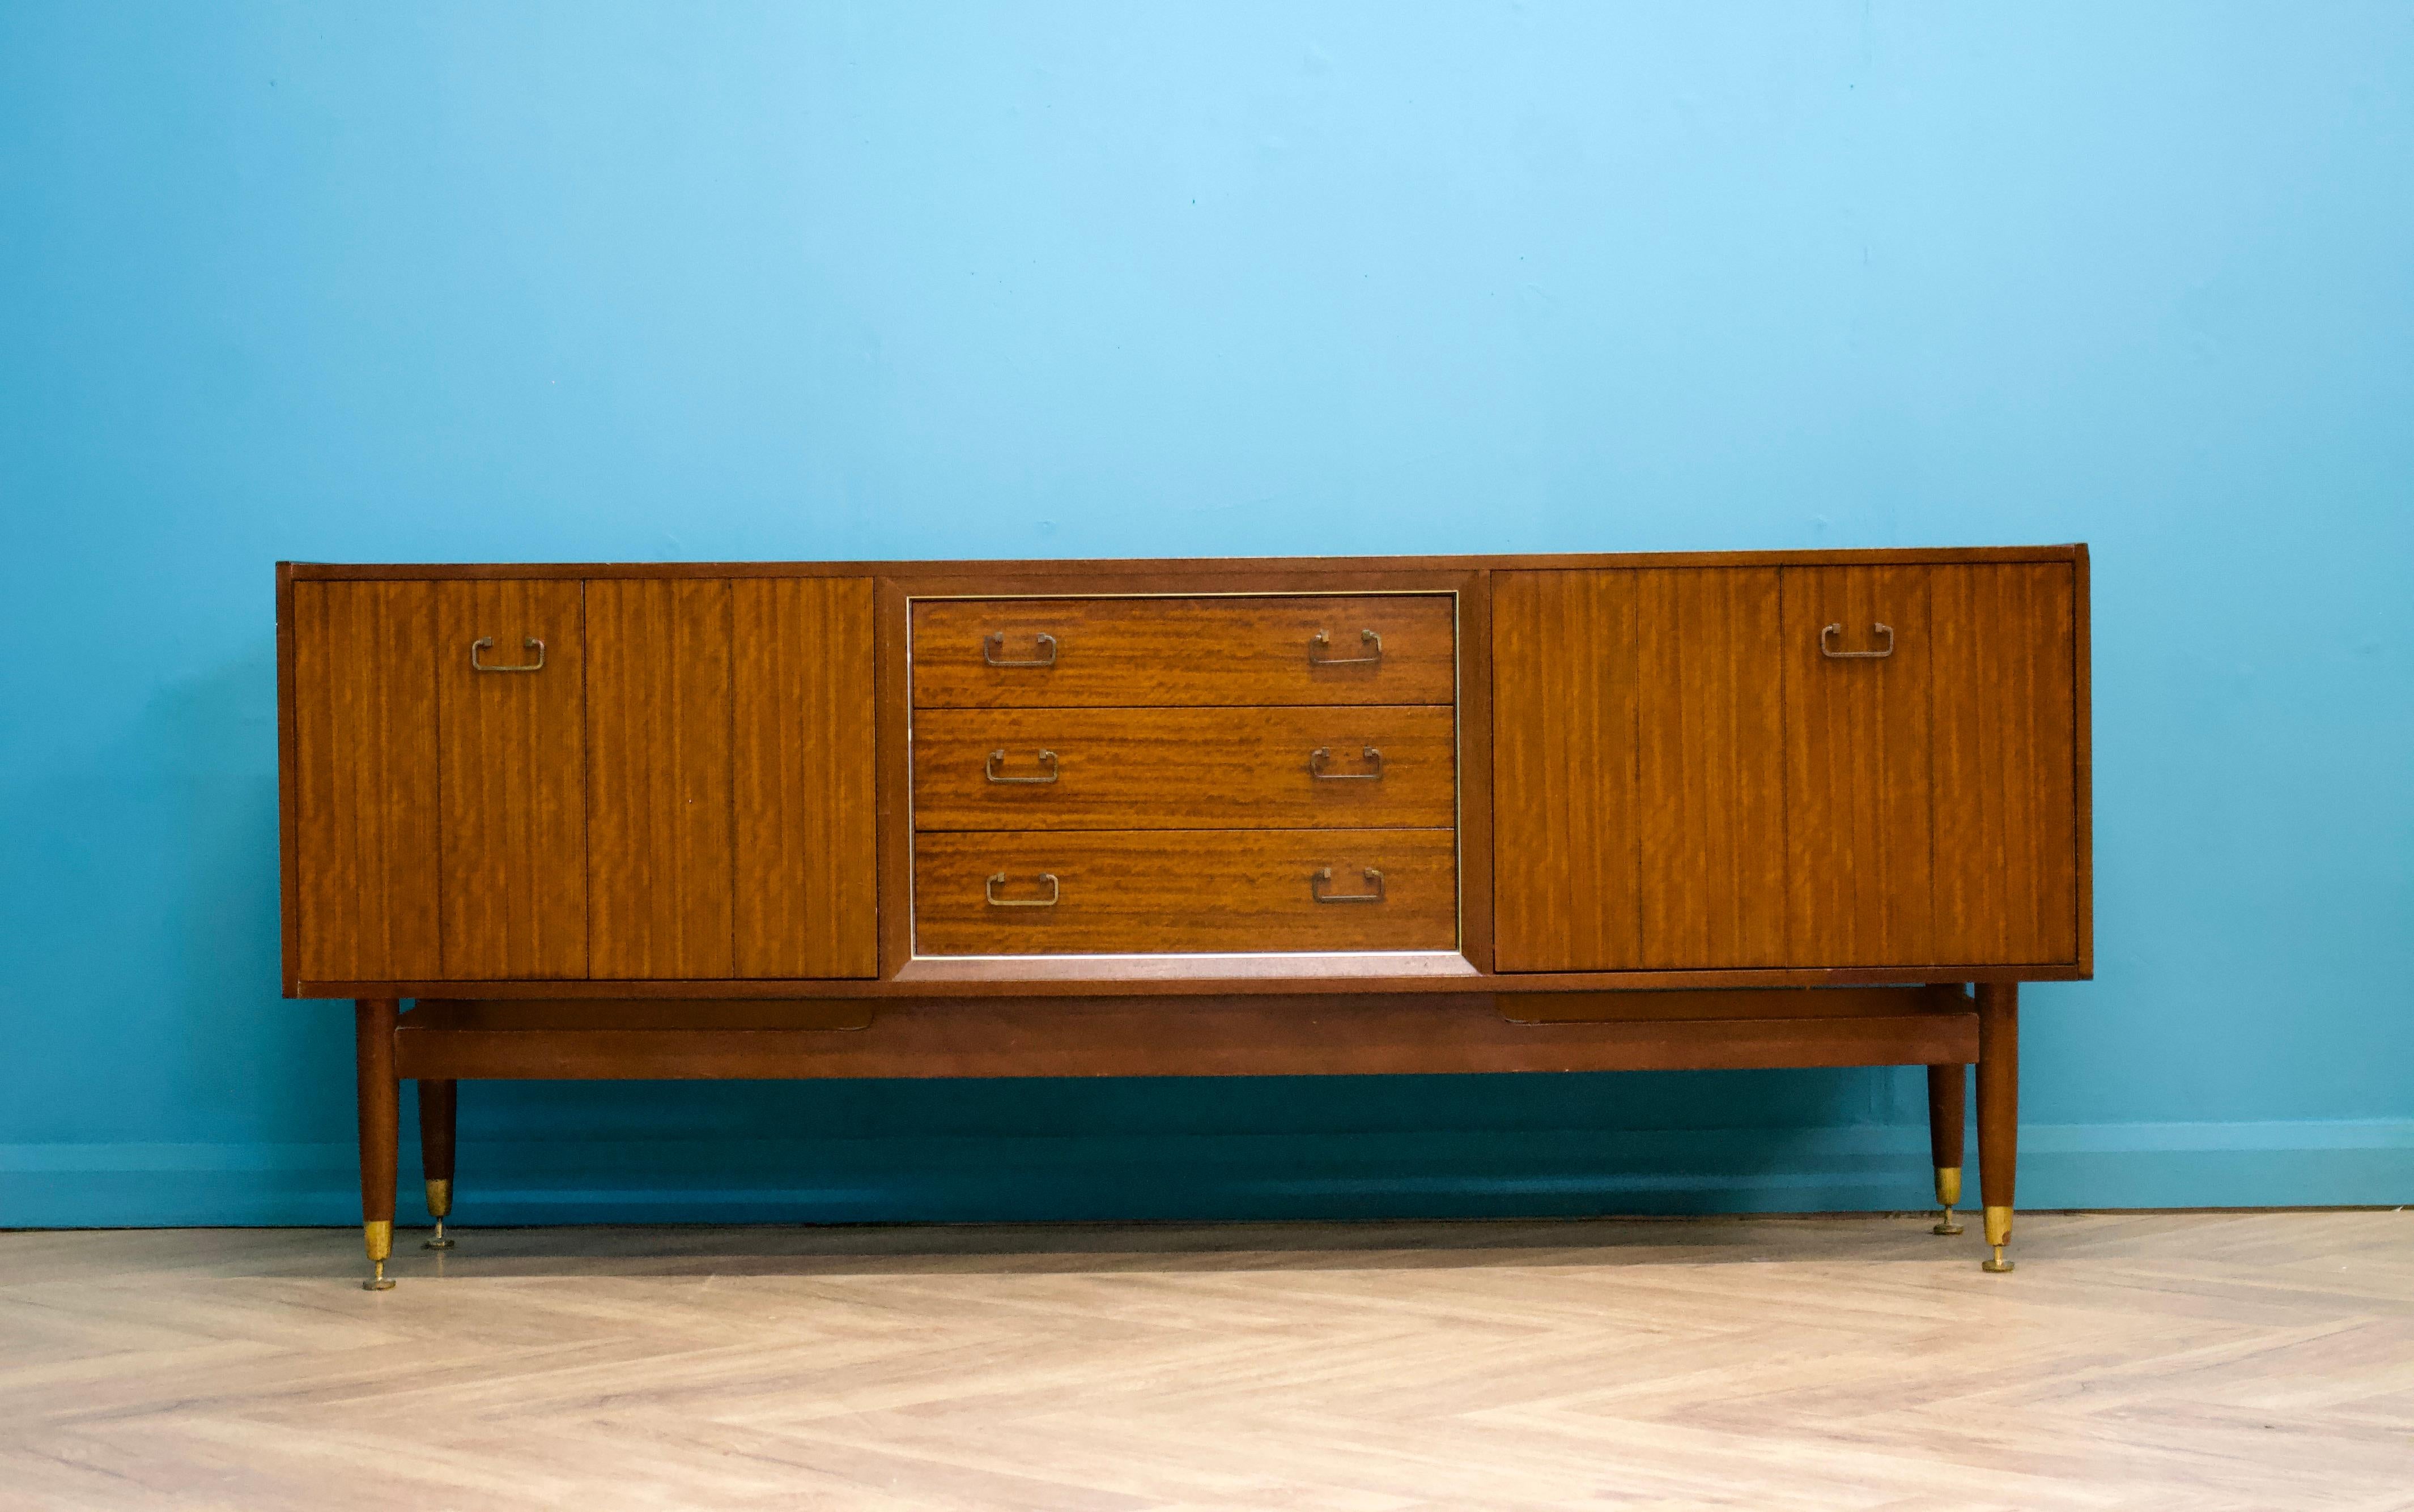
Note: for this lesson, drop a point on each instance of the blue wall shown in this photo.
(675, 281)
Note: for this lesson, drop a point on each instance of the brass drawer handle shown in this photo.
(993, 643)
(996, 758)
(1831, 653)
(1321, 642)
(486, 643)
(1321, 754)
(1323, 879)
(988, 889)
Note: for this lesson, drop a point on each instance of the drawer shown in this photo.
(1221, 891)
(1146, 652)
(1287, 768)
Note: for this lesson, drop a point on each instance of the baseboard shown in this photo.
(1525, 1173)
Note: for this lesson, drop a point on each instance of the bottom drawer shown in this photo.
(1127, 892)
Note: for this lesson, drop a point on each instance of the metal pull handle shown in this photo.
(989, 890)
(1830, 652)
(997, 757)
(993, 643)
(1321, 754)
(486, 643)
(1320, 641)
(1318, 884)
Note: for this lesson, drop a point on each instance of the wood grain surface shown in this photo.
(1858, 791)
(661, 879)
(1183, 891)
(1185, 768)
(804, 756)
(1267, 1035)
(364, 814)
(2005, 772)
(1566, 823)
(1710, 783)
(1151, 652)
(512, 774)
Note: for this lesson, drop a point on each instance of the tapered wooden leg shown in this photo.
(1999, 1110)
(380, 1117)
(1947, 1093)
(436, 1101)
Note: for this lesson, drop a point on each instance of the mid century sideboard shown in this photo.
(1186, 818)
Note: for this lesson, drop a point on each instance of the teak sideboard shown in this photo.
(1248, 817)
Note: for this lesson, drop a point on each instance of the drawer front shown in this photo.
(1385, 766)
(1119, 892)
(1143, 652)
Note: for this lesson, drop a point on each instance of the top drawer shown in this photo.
(1162, 652)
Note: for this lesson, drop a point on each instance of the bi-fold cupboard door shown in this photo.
(1713, 768)
(546, 779)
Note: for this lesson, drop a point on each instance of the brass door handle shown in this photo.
(989, 890)
(1832, 654)
(1321, 754)
(486, 643)
(988, 769)
(993, 643)
(1321, 880)
(1320, 641)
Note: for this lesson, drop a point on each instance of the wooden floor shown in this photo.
(2210, 1362)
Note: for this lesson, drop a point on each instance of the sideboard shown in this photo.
(1245, 817)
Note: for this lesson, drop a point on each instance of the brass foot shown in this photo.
(439, 1202)
(1999, 1233)
(1948, 1191)
(376, 1236)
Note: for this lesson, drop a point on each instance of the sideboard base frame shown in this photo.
(442, 1042)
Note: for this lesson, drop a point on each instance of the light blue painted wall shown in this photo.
(675, 281)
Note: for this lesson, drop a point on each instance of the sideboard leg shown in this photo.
(437, 1101)
(380, 1114)
(1947, 1102)
(1999, 1110)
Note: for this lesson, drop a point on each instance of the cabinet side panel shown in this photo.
(1856, 747)
(1563, 809)
(2005, 761)
(659, 881)
(1712, 791)
(365, 780)
(807, 836)
(512, 794)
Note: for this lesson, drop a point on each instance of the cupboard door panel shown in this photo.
(1856, 766)
(807, 838)
(1710, 797)
(2005, 764)
(364, 780)
(1564, 818)
(513, 772)
(658, 857)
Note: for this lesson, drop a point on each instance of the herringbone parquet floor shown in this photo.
(2210, 1362)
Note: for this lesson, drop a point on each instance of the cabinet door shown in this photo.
(364, 781)
(512, 804)
(807, 841)
(660, 883)
(1710, 787)
(1565, 822)
(1859, 648)
(2006, 764)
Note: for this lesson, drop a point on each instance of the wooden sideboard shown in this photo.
(1240, 817)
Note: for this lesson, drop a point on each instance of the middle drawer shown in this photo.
(1299, 767)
